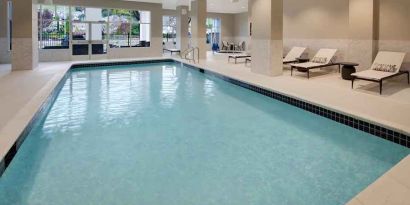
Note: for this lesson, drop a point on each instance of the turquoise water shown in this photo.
(160, 134)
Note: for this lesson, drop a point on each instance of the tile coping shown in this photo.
(374, 128)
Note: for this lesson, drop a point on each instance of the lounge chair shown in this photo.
(323, 58)
(293, 55)
(225, 46)
(386, 65)
(240, 46)
(248, 60)
(171, 50)
(238, 56)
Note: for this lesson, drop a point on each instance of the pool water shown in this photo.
(162, 134)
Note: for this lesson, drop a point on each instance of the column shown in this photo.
(182, 27)
(25, 40)
(267, 36)
(198, 26)
(363, 34)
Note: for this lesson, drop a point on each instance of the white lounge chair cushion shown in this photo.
(241, 55)
(294, 53)
(394, 59)
(307, 64)
(383, 57)
(322, 53)
(172, 49)
(373, 74)
(329, 54)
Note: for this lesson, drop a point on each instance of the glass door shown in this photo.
(80, 34)
(98, 40)
(89, 40)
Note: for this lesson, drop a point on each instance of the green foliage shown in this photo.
(134, 15)
(135, 29)
(105, 13)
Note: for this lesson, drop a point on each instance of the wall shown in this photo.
(5, 55)
(241, 28)
(394, 27)
(317, 24)
(227, 26)
(325, 23)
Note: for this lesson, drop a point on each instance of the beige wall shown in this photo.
(241, 28)
(394, 20)
(325, 23)
(394, 27)
(317, 24)
(4, 53)
(227, 24)
(3, 18)
(313, 19)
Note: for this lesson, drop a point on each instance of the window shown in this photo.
(213, 31)
(169, 29)
(9, 24)
(128, 28)
(89, 14)
(53, 27)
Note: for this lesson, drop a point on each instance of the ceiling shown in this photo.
(217, 6)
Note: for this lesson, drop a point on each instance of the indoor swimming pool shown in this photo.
(165, 134)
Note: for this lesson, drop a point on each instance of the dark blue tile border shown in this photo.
(376, 130)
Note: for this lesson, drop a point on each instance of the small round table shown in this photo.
(347, 70)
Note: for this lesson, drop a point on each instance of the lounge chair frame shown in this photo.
(248, 60)
(307, 69)
(172, 51)
(380, 81)
(237, 57)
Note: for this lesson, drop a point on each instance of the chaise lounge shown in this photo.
(386, 65)
(292, 57)
(238, 56)
(171, 50)
(323, 58)
(294, 54)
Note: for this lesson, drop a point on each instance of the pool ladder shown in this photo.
(191, 54)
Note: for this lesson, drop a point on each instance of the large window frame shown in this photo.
(54, 23)
(132, 28)
(137, 34)
(213, 31)
(169, 29)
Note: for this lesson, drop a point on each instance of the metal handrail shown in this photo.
(187, 52)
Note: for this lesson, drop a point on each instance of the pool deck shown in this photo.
(23, 92)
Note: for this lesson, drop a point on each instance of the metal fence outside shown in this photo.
(53, 41)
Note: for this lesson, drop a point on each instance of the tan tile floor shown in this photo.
(23, 92)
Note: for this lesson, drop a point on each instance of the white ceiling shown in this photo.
(217, 6)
